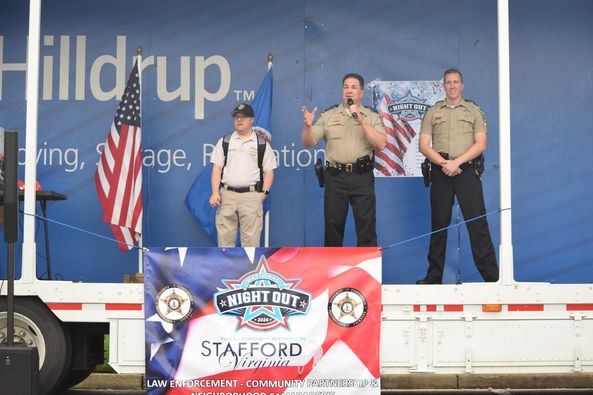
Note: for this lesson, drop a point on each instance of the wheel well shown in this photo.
(87, 344)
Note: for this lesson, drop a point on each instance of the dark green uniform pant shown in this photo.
(468, 188)
(358, 190)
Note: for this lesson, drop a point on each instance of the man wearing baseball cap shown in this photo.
(242, 174)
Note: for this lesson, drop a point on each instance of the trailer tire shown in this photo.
(76, 377)
(36, 326)
(87, 341)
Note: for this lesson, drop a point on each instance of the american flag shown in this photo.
(119, 175)
(390, 161)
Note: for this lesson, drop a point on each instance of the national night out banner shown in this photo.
(402, 105)
(263, 320)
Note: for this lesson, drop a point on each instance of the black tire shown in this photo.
(74, 377)
(87, 341)
(36, 326)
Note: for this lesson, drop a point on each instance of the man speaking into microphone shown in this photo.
(351, 132)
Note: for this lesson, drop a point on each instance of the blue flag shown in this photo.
(198, 202)
(198, 196)
(262, 107)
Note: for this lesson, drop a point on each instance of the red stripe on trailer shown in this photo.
(453, 307)
(123, 306)
(433, 307)
(428, 307)
(64, 306)
(525, 307)
(579, 306)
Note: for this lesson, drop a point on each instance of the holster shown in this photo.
(425, 167)
(478, 163)
(320, 173)
(364, 164)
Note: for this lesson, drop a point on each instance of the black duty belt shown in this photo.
(464, 164)
(239, 189)
(342, 167)
(363, 165)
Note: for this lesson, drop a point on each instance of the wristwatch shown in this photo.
(266, 191)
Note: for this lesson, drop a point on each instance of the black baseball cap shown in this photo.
(243, 108)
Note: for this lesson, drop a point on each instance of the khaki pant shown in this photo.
(243, 210)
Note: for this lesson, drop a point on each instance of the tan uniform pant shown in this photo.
(243, 210)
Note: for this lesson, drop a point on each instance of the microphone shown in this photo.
(350, 103)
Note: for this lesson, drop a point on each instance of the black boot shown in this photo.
(429, 280)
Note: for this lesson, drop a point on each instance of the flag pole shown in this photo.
(140, 239)
(267, 215)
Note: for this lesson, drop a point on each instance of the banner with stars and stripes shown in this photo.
(402, 104)
(263, 320)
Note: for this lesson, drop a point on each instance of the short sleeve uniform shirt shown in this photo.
(453, 128)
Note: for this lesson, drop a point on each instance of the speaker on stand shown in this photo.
(19, 364)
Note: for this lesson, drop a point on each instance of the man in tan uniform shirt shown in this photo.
(352, 132)
(457, 130)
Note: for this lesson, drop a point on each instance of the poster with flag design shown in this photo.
(263, 320)
(118, 178)
(402, 105)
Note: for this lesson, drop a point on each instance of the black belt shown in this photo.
(447, 157)
(239, 189)
(343, 167)
(363, 165)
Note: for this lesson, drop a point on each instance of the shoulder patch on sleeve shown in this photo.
(479, 109)
(437, 104)
(331, 108)
(371, 109)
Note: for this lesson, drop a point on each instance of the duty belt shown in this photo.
(251, 188)
(363, 164)
(477, 162)
(345, 167)
(447, 157)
